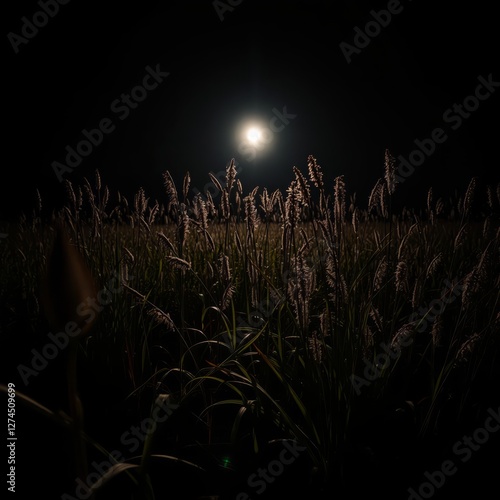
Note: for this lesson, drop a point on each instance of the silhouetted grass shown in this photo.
(259, 314)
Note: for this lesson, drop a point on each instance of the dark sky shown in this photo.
(263, 55)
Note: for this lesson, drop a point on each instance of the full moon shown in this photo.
(254, 135)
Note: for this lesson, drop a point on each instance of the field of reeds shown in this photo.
(299, 342)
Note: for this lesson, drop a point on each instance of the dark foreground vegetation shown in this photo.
(255, 344)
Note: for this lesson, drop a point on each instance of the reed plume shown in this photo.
(401, 277)
(469, 197)
(315, 346)
(185, 186)
(390, 172)
(300, 288)
(230, 175)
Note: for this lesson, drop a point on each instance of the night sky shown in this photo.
(229, 67)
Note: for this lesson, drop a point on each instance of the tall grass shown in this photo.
(266, 305)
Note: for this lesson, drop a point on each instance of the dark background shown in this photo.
(263, 55)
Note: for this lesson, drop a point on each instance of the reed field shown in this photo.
(252, 344)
